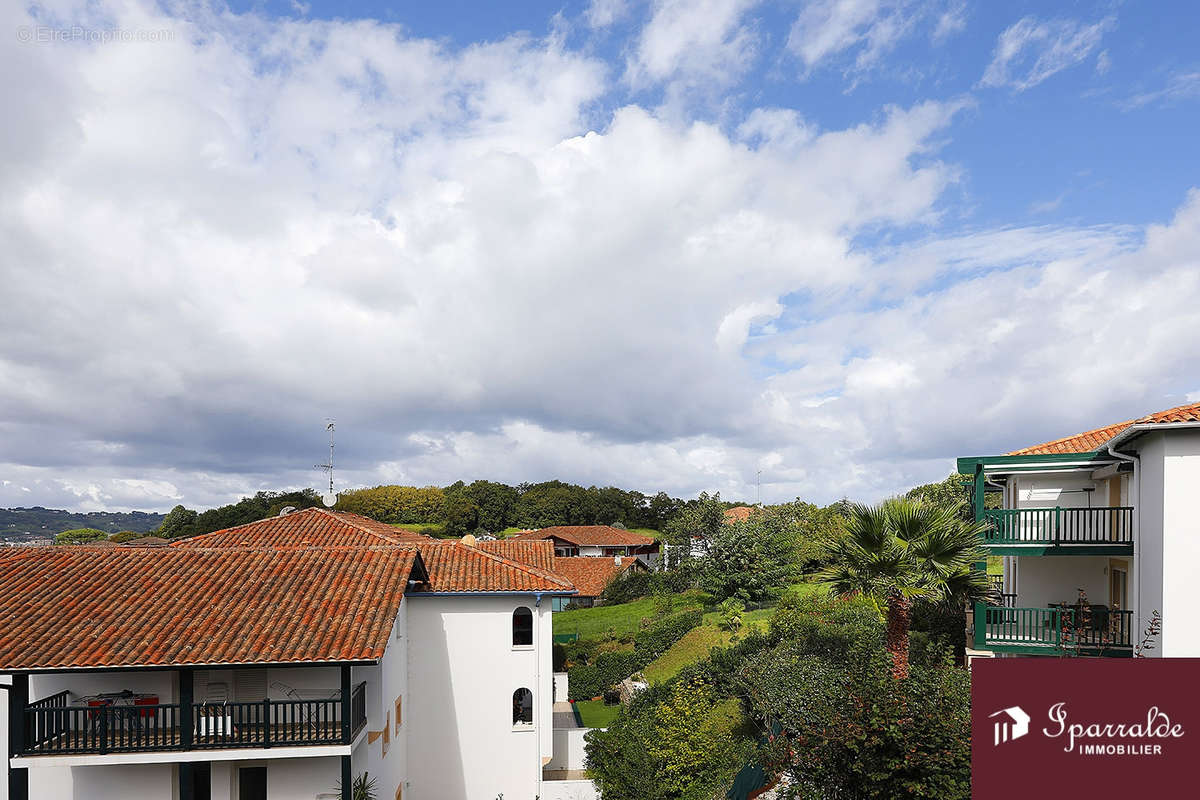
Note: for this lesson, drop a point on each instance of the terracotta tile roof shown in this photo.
(536, 553)
(310, 527)
(455, 567)
(589, 535)
(452, 566)
(77, 607)
(1090, 441)
(147, 541)
(738, 514)
(591, 574)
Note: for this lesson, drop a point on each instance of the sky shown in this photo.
(679, 245)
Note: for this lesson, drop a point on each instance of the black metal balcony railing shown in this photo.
(54, 727)
(1059, 526)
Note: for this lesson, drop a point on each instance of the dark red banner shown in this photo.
(1065, 727)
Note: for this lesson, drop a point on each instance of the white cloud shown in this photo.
(1180, 86)
(603, 13)
(1031, 50)
(693, 43)
(214, 243)
(828, 29)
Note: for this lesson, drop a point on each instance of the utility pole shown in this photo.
(330, 498)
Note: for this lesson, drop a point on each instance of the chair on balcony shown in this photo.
(215, 721)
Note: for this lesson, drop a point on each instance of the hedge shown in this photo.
(586, 681)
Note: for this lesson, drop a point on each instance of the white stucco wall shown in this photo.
(463, 670)
(104, 782)
(1056, 579)
(569, 749)
(387, 761)
(1181, 543)
(569, 790)
(561, 687)
(1149, 543)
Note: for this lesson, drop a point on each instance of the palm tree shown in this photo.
(905, 550)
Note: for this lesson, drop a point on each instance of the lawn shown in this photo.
(592, 623)
(595, 714)
(696, 643)
(995, 565)
(691, 649)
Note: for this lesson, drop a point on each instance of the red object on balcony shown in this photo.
(146, 700)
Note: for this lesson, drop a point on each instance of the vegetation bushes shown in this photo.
(80, 536)
(629, 585)
(682, 741)
(852, 730)
(589, 680)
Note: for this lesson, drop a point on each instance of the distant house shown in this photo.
(590, 576)
(594, 541)
(739, 514)
(147, 541)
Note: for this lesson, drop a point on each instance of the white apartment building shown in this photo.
(284, 659)
(1099, 539)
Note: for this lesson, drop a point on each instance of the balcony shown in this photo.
(1059, 531)
(1066, 630)
(132, 724)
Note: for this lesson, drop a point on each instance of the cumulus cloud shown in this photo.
(690, 43)
(1031, 50)
(483, 270)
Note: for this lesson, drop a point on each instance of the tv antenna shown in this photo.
(329, 498)
(758, 480)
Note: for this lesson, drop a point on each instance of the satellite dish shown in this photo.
(329, 499)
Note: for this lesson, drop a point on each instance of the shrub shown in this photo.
(588, 680)
(80, 536)
(629, 585)
(676, 743)
(855, 731)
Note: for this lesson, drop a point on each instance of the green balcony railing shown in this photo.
(1034, 629)
(1052, 527)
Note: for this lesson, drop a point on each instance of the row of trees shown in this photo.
(457, 509)
(491, 506)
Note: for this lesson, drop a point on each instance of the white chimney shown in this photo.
(617, 560)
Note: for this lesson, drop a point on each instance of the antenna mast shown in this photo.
(330, 498)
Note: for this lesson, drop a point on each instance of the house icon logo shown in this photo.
(1013, 724)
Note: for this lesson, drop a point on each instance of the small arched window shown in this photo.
(522, 627)
(522, 707)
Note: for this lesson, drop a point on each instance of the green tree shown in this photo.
(494, 503)
(460, 514)
(698, 523)
(80, 536)
(125, 536)
(754, 559)
(905, 550)
(680, 743)
(180, 521)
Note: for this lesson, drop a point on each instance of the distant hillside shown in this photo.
(18, 524)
